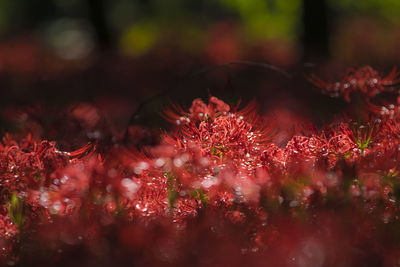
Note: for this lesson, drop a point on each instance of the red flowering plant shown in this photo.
(212, 157)
(223, 160)
(28, 178)
(231, 142)
(215, 186)
(359, 87)
(365, 81)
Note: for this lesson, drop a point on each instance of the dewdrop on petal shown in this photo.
(130, 187)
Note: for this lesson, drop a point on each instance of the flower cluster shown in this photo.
(365, 81)
(216, 190)
(28, 178)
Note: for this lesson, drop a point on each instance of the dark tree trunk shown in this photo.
(98, 17)
(36, 12)
(315, 37)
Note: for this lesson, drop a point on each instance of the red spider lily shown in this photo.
(8, 236)
(202, 161)
(198, 112)
(302, 152)
(231, 143)
(215, 185)
(220, 130)
(28, 171)
(364, 80)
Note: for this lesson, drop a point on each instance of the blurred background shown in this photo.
(124, 60)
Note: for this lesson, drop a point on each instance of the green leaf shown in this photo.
(171, 191)
(16, 210)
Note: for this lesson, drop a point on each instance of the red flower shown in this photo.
(364, 80)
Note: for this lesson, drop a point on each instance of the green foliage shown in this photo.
(171, 190)
(200, 195)
(268, 19)
(388, 9)
(8, 12)
(139, 39)
(16, 210)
